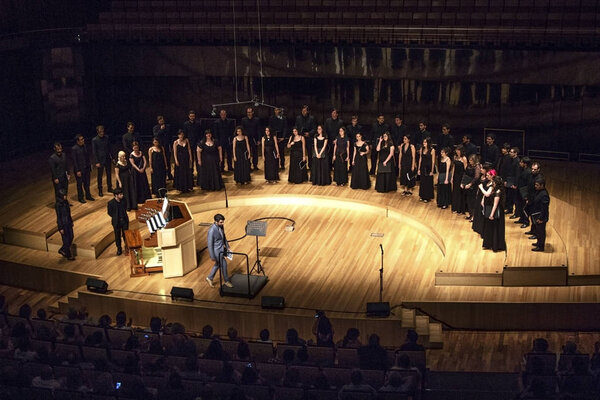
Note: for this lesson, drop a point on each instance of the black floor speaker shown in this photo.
(179, 293)
(378, 309)
(275, 302)
(96, 285)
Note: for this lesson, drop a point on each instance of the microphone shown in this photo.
(381, 247)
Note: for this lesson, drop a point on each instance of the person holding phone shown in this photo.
(218, 248)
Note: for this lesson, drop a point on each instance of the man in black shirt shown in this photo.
(512, 174)
(251, 127)
(470, 148)
(351, 131)
(278, 124)
(531, 191)
(193, 132)
(332, 128)
(101, 151)
(128, 138)
(307, 126)
(523, 180)
(491, 152)
(398, 130)
(421, 135)
(162, 132)
(224, 130)
(58, 167)
(117, 210)
(540, 214)
(377, 130)
(445, 139)
(82, 168)
(64, 223)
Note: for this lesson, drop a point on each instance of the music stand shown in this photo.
(257, 228)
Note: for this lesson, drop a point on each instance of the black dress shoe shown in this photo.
(528, 233)
(535, 244)
(100, 194)
(119, 252)
(537, 249)
(62, 253)
(513, 217)
(524, 226)
(82, 201)
(90, 198)
(532, 237)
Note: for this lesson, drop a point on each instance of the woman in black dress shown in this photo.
(210, 156)
(158, 167)
(360, 170)
(298, 159)
(124, 177)
(140, 179)
(425, 170)
(270, 155)
(484, 184)
(385, 180)
(184, 179)
(459, 164)
(320, 174)
(341, 151)
(493, 222)
(469, 184)
(408, 165)
(444, 194)
(241, 157)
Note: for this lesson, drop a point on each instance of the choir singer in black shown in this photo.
(120, 221)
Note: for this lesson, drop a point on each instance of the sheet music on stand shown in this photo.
(256, 228)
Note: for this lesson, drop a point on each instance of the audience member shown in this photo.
(372, 356)
(356, 385)
(351, 339)
(323, 330)
(411, 342)
(264, 336)
(46, 379)
(292, 338)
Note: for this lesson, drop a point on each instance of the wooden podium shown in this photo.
(176, 239)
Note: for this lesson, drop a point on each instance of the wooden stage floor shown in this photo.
(331, 261)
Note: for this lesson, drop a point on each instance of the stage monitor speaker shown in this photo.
(378, 309)
(96, 285)
(179, 293)
(276, 302)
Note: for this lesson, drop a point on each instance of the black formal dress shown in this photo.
(297, 174)
(210, 177)
(128, 186)
(184, 179)
(142, 189)
(241, 172)
(166, 141)
(320, 174)
(493, 230)
(159, 172)
(340, 165)
(407, 174)
(458, 197)
(426, 187)
(386, 174)
(478, 210)
(271, 161)
(444, 195)
(279, 128)
(360, 170)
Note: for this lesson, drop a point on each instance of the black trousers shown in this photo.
(83, 184)
(63, 183)
(282, 146)
(374, 154)
(539, 230)
(105, 167)
(67, 240)
(254, 151)
(120, 233)
(227, 152)
(511, 195)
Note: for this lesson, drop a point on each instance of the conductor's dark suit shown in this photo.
(217, 249)
(119, 220)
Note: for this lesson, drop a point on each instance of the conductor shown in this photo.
(218, 247)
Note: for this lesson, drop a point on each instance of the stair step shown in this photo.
(436, 336)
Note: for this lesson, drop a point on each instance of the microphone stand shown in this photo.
(381, 276)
